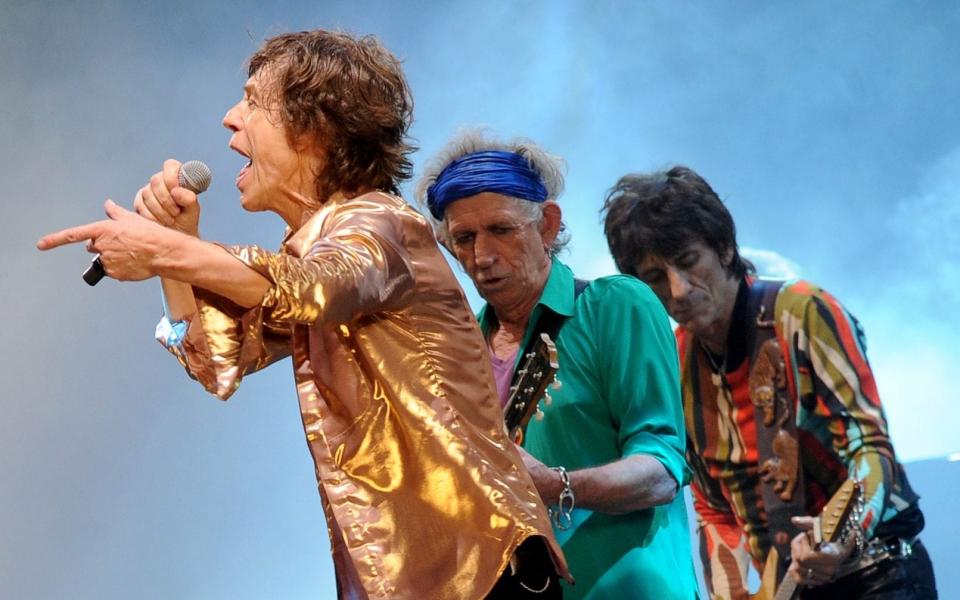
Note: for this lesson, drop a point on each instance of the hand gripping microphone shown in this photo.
(194, 175)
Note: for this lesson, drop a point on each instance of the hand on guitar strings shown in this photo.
(814, 565)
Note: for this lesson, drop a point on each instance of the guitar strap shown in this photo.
(548, 323)
(777, 444)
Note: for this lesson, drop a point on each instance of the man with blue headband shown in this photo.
(607, 456)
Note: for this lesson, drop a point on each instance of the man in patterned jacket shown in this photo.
(780, 404)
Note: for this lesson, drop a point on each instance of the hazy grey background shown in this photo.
(832, 130)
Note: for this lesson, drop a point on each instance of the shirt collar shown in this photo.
(557, 296)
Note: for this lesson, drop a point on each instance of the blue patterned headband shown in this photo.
(495, 171)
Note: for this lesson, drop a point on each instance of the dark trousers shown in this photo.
(907, 578)
(535, 576)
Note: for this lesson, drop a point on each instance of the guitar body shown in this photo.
(768, 579)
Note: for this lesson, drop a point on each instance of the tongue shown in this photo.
(243, 170)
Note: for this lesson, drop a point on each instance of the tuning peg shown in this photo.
(547, 399)
(539, 415)
(556, 384)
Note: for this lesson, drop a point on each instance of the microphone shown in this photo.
(194, 175)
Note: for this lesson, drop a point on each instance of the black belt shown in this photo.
(878, 550)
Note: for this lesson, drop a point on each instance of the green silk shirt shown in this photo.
(619, 396)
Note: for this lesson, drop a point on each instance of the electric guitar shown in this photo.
(537, 370)
(834, 524)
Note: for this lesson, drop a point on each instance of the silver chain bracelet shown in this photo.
(563, 515)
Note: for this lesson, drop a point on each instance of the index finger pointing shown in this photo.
(71, 235)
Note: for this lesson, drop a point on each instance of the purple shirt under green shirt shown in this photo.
(503, 374)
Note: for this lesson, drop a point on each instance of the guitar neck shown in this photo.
(535, 373)
(787, 589)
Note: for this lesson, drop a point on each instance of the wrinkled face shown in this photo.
(694, 287)
(276, 173)
(503, 252)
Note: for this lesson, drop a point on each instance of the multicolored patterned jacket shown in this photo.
(841, 427)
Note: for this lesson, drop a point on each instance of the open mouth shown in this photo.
(245, 167)
(489, 282)
(243, 171)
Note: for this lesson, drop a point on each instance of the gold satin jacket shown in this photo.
(425, 496)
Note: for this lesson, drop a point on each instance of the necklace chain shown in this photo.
(718, 371)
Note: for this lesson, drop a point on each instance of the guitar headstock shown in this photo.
(536, 371)
(835, 518)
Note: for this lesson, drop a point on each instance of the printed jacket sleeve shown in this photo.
(839, 402)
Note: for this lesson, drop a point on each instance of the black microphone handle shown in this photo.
(94, 272)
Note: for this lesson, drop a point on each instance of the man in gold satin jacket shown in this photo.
(424, 495)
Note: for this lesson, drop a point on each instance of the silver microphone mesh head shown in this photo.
(195, 176)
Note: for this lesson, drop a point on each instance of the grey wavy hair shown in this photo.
(548, 166)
